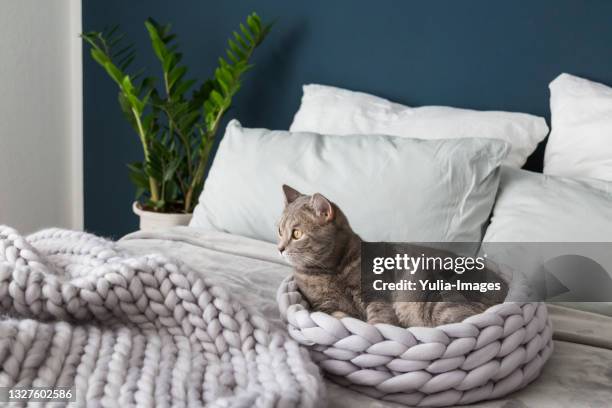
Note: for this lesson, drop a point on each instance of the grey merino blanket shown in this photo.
(137, 330)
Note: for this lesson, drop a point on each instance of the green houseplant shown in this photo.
(176, 122)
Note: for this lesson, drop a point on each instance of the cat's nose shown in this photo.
(281, 249)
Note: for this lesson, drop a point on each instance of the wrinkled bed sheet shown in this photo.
(579, 373)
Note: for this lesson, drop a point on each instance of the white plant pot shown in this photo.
(154, 221)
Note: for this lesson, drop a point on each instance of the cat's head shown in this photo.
(311, 230)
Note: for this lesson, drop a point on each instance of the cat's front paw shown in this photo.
(339, 315)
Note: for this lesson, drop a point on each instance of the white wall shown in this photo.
(40, 114)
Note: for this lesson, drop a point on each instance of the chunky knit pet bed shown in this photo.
(484, 357)
(137, 331)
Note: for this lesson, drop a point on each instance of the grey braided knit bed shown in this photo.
(484, 357)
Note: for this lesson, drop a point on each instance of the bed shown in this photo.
(578, 374)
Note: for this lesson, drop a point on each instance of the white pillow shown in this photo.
(390, 188)
(580, 143)
(546, 217)
(534, 207)
(336, 111)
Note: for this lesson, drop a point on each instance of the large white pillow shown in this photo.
(545, 217)
(335, 111)
(580, 143)
(534, 207)
(390, 188)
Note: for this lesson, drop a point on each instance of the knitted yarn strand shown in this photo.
(137, 331)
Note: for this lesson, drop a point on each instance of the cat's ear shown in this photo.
(323, 207)
(291, 194)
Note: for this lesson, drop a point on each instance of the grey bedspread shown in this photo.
(579, 374)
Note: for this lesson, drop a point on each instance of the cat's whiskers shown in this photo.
(306, 258)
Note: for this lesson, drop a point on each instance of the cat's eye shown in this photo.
(280, 232)
(296, 234)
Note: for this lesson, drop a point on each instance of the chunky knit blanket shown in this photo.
(137, 331)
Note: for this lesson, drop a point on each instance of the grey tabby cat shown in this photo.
(316, 239)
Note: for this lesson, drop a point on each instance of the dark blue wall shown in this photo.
(479, 54)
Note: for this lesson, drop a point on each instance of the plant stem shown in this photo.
(204, 153)
(205, 150)
(145, 148)
(207, 145)
(199, 173)
(167, 86)
(184, 140)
